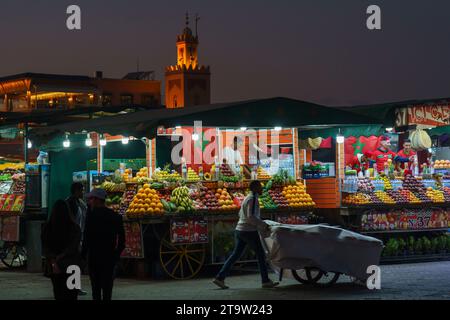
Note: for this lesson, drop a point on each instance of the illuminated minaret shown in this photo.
(187, 83)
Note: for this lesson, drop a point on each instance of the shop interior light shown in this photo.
(30, 145)
(125, 140)
(340, 138)
(88, 141)
(66, 142)
(177, 127)
(277, 128)
(102, 141)
(243, 128)
(195, 136)
(389, 129)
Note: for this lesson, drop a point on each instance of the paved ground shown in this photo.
(406, 281)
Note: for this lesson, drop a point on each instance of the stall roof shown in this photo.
(385, 112)
(261, 113)
(55, 116)
(439, 131)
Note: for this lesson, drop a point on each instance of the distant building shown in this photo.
(187, 83)
(28, 91)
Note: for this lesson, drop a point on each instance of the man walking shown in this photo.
(246, 234)
(104, 241)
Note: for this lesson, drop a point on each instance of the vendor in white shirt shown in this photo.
(232, 156)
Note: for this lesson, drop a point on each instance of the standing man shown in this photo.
(383, 154)
(405, 157)
(78, 210)
(104, 241)
(361, 162)
(232, 156)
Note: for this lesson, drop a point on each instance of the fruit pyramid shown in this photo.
(192, 176)
(262, 174)
(127, 175)
(146, 202)
(410, 196)
(436, 196)
(297, 197)
(356, 199)
(224, 199)
(384, 197)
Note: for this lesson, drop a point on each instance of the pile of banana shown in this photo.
(113, 187)
(180, 197)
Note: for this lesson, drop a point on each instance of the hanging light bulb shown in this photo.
(30, 145)
(340, 138)
(102, 141)
(243, 128)
(66, 142)
(277, 128)
(125, 140)
(195, 136)
(88, 141)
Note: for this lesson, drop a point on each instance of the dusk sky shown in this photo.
(316, 50)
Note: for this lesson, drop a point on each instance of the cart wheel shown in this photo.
(325, 279)
(181, 262)
(302, 276)
(14, 256)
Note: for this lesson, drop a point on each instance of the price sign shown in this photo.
(9, 228)
(133, 241)
(189, 231)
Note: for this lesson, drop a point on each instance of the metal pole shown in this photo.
(25, 147)
(99, 155)
(294, 151)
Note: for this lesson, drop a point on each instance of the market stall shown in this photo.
(182, 215)
(382, 193)
(12, 204)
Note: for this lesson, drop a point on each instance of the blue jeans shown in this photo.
(242, 239)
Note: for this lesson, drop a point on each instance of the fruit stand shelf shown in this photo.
(406, 231)
(214, 214)
(399, 206)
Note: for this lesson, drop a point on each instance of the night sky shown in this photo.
(317, 50)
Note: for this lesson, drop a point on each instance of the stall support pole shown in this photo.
(149, 156)
(295, 152)
(340, 167)
(99, 155)
(25, 144)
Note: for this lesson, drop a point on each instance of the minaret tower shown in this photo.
(187, 83)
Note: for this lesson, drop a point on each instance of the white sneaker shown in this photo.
(220, 284)
(270, 284)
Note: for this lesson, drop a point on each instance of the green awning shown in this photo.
(439, 131)
(262, 113)
(346, 131)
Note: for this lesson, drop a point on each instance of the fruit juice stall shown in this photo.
(402, 207)
(179, 212)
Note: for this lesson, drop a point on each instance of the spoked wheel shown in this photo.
(326, 279)
(181, 261)
(14, 256)
(302, 275)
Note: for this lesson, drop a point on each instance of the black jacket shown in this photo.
(104, 236)
(63, 248)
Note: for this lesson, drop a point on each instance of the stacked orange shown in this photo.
(356, 199)
(146, 202)
(224, 199)
(297, 197)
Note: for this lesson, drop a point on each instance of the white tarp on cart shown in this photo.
(329, 248)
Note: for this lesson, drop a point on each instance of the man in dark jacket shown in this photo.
(104, 241)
